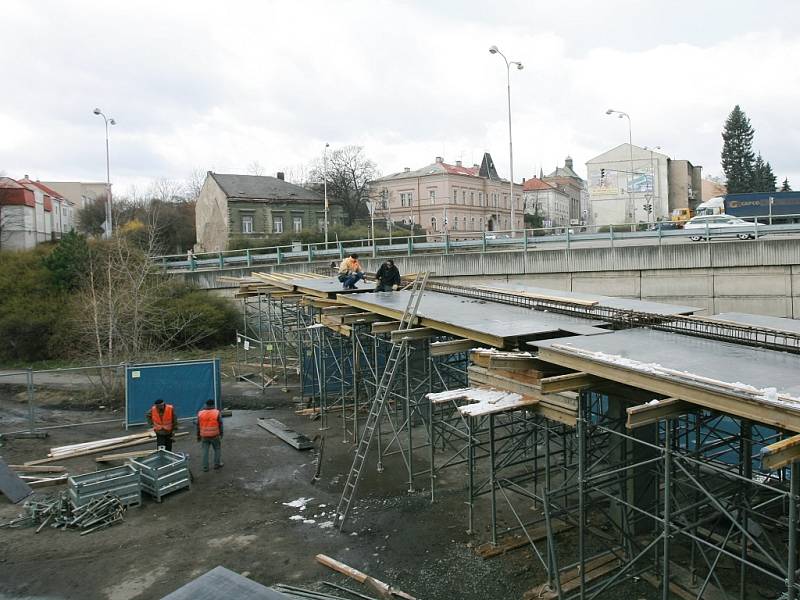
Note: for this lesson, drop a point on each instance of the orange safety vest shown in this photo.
(162, 421)
(208, 422)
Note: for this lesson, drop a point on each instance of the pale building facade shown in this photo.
(547, 201)
(80, 193)
(570, 183)
(624, 182)
(455, 199)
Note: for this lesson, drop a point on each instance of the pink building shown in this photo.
(443, 197)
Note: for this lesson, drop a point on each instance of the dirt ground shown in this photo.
(238, 517)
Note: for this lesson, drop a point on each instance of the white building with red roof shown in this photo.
(31, 213)
(547, 201)
(445, 197)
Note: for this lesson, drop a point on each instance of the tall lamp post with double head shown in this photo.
(325, 188)
(108, 121)
(620, 114)
(518, 65)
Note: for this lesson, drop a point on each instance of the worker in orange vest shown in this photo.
(209, 432)
(164, 421)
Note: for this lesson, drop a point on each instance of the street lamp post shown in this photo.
(496, 50)
(325, 187)
(620, 114)
(109, 224)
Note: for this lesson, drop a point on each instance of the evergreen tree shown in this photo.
(785, 187)
(737, 151)
(763, 179)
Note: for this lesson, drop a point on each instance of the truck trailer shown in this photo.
(766, 207)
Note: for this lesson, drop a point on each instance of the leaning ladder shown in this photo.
(378, 405)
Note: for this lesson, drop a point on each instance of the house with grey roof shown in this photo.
(253, 206)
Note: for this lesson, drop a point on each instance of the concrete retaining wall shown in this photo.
(759, 277)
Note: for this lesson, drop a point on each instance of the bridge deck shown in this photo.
(752, 383)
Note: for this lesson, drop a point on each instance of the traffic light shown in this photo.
(602, 175)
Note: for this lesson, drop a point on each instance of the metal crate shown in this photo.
(162, 473)
(123, 482)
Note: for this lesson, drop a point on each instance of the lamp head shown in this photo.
(96, 111)
(112, 122)
(609, 111)
(327, 145)
(519, 66)
(493, 50)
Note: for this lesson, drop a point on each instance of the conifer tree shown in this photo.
(737, 151)
(785, 187)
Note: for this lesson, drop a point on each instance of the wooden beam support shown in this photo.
(451, 347)
(652, 412)
(415, 333)
(570, 381)
(385, 326)
(510, 362)
(781, 454)
(351, 318)
(331, 311)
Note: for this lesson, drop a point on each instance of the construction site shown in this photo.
(459, 441)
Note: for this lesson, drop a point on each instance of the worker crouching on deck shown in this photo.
(164, 421)
(350, 272)
(209, 433)
(388, 277)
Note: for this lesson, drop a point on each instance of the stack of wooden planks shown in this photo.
(523, 373)
(41, 476)
(85, 448)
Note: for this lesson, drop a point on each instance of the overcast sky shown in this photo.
(219, 85)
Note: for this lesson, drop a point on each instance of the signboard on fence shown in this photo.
(184, 384)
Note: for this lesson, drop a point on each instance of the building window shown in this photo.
(472, 224)
(247, 224)
(405, 199)
(321, 224)
(277, 224)
(463, 196)
(432, 195)
(455, 224)
(480, 198)
(297, 224)
(433, 224)
(481, 222)
(472, 198)
(455, 196)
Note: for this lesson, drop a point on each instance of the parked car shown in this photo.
(664, 226)
(720, 225)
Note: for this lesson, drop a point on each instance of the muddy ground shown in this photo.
(237, 517)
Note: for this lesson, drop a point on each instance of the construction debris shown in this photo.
(61, 512)
(384, 590)
(298, 441)
(13, 487)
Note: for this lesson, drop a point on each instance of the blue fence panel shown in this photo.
(186, 385)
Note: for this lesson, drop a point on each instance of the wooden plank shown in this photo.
(123, 455)
(296, 440)
(384, 590)
(48, 481)
(781, 454)
(568, 382)
(138, 442)
(353, 318)
(652, 412)
(39, 469)
(489, 550)
(729, 403)
(414, 333)
(451, 347)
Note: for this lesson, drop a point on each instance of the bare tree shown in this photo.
(256, 168)
(194, 184)
(349, 172)
(299, 174)
(167, 190)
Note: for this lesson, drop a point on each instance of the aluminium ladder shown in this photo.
(379, 403)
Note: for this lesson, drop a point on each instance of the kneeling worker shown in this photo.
(388, 277)
(209, 432)
(350, 272)
(164, 421)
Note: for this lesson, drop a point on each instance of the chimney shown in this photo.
(568, 162)
(406, 169)
(458, 163)
(439, 159)
(280, 175)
